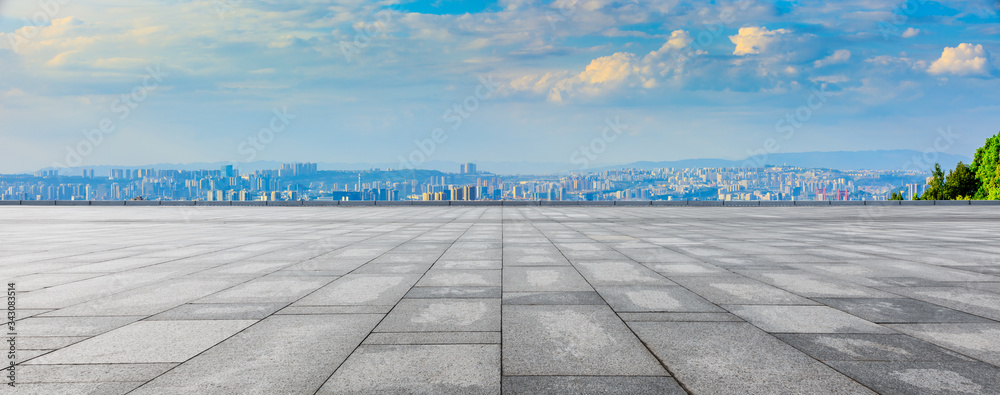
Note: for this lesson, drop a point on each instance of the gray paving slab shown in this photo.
(460, 278)
(103, 388)
(619, 273)
(554, 298)
(442, 315)
(453, 292)
(924, 377)
(899, 310)
(220, 311)
(592, 385)
(433, 338)
(652, 298)
(543, 279)
(147, 342)
(869, 347)
(731, 357)
(572, 340)
(281, 354)
(734, 289)
(362, 289)
(407, 369)
(804, 319)
(91, 373)
(972, 301)
(980, 341)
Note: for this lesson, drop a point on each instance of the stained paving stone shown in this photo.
(622, 385)
(407, 369)
(571, 340)
(460, 278)
(869, 347)
(923, 377)
(734, 289)
(980, 341)
(678, 317)
(453, 292)
(362, 289)
(433, 338)
(619, 273)
(804, 319)
(437, 315)
(102, 388)
(731, 357)
(281, 354)
(557, 298)
(566, 299)
(147, 342)
(899, 310)
(216, 311)
(543, 279)
(670, 298)
(92, 373)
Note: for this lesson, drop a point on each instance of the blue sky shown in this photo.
(363, 81)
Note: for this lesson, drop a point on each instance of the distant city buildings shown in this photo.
(303, 181)
(468, 168)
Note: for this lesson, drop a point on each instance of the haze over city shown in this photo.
(581, 83)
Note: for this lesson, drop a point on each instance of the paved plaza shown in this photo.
(488, 300)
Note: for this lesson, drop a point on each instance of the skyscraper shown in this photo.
(468, 168)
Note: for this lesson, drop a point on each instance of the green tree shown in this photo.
(961, 183)
(935, 185)
(986, 167)
(896, 196)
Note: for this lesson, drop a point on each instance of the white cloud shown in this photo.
(606, 73)
(910, 32)
(754, 40)
(838, 56)
(965, 60)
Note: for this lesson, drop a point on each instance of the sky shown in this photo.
(581, 82)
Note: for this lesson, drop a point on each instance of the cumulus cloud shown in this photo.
(910, 32)
(838, 56)
(754, 40)
(606, 73)
(964, 60)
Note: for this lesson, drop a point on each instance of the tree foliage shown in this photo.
(986, 167)
(935, 185)
(961, 183)
(896, 196)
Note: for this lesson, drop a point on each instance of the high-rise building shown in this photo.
(468, 168)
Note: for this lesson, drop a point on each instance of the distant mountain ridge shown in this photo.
(838, 160)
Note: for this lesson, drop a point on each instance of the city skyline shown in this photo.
(585, 83)
(305, 182)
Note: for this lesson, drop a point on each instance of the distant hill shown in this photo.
(839, 160)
